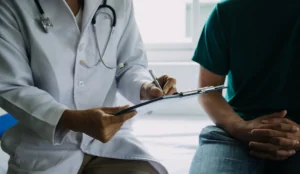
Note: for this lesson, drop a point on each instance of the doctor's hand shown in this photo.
(150, 90)
(99, 123)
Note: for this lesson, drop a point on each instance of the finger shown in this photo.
(279, 138)
(269, 133)
(155, 92)
(285, 153)
(111, 119)
(267, 156)
(121, 118)
(169, 84)
(129, 115)
(288, 121)
(270, 148)
(113, 110)
(267, 147)
(163, 79)
(280, 114)
(280, 127)
(172, 91)
(284, 142)
(277, 121)
(258, 146)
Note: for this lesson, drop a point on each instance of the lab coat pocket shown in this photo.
(32, 158)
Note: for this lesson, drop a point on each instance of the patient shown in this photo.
(256, 44)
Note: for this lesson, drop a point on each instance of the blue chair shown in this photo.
(6, 121)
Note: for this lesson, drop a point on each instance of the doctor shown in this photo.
(58, 76)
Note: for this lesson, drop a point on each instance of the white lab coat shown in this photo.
(41, 76)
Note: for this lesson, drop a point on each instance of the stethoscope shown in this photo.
(47, 24)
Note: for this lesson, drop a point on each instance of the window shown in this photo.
(163, 21)
(171, 26)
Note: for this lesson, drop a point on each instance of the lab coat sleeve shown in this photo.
(32, 107)
(131, 51)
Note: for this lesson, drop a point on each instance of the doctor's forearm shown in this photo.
(71, 120)
(219, 110)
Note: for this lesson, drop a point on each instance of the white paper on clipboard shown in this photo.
(147, 107)
(155, 106)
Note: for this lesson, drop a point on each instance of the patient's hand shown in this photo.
(271, 137)
(281, 135)
(99, 123)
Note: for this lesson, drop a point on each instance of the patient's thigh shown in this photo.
(218, 153)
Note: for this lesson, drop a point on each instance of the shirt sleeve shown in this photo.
(32, 107)
(212, 50)
(131, 51)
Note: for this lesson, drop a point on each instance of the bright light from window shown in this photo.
(164, 21)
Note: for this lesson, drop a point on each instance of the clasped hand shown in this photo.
(270, 137)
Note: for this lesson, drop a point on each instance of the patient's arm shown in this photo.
(212, 54)
(213, 103)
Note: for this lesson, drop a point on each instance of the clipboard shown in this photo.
(150, 105)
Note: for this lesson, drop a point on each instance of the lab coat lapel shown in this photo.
(60, 15)
(90, 8)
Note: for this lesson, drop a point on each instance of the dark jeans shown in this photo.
(219, 153)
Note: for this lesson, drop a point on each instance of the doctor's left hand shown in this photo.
(150, 90)
(99, 123)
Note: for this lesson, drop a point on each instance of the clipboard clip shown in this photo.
(201, 90)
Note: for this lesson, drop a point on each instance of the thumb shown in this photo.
(280, 114)
(113, 110)
(122, 118)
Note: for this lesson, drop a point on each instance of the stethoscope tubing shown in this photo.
(46, 23)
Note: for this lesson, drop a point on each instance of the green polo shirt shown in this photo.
(257, 45)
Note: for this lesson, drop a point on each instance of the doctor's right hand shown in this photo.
(99, 123)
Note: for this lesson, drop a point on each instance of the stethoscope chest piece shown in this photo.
(46, 23)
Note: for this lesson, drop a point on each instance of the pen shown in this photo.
(155, 80)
